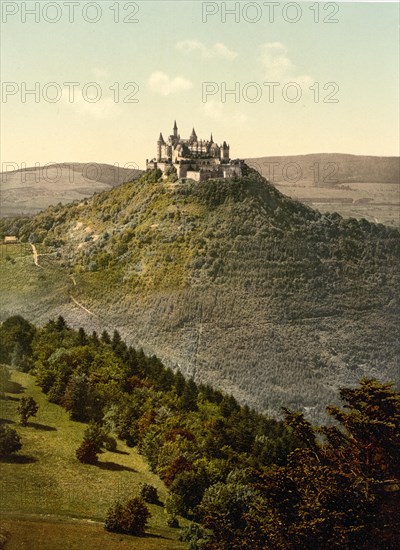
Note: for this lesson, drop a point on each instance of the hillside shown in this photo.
(50, 499)
(28, 191)
(238, 285)
(353, 185)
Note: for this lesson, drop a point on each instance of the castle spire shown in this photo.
(193, 135)
(211, 138)
(161, 139)
(175, 129)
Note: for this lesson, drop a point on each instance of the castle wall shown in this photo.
(196, 176)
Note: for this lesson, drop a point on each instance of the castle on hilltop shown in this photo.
(194, 158)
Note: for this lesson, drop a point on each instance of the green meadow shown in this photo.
(50, 500)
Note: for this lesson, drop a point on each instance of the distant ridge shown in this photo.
(345, 169)
(27, 191)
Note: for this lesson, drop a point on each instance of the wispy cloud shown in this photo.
(217, 50)
(161, 83)
(278, 66)
(104, 109)
(222, 113)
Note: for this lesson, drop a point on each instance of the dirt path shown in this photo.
(36, 262)
(83, 307)
(35, 256)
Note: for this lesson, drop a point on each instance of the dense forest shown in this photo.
(223, 278)
(245, 480)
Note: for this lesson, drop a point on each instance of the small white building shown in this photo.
(10, 240)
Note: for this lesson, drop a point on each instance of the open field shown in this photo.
(27, 191)
(48, 497)
(353, 185)
(376, 202)
(47, 534)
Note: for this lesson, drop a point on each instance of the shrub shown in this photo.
(10, 441)
(4, 380)
(130, 517)
(27, 407)
(195, 535)
(87, 452)
(95, 434)
(149, 494)
(100, 438)
(172, 521)
(110, 443)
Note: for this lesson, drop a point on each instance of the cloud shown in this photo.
(100, 73)
(161, 83)
(217, 50)
(221, 113)
(278, 66)
(104, 109)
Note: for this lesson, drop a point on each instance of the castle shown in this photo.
(194, 158)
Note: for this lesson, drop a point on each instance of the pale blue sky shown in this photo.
(171, 52)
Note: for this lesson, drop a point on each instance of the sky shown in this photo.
(107, 76)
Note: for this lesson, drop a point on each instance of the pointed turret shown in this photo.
(211, 138)
(193, 135)
(160, 146)
(175, 129)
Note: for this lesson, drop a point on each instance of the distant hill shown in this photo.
(28, 191)
(235, 283)
(353, 185)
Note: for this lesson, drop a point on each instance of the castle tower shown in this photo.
(193, 136)
(160, 144)
(225, 152)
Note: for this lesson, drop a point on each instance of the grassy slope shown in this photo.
(47, 479)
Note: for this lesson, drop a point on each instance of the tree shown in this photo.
(82, 338)
(4, 380)
(130, 517)
(90, 447)
(195, 535)
(189, 396)
(76, 397)
(149, 494)
(87, 452)
(180, 383)
(27, 407)
(340, 490)
(60, 324)
(10, 441)
(15, 331)
(105, 337)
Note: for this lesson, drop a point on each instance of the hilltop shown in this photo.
(27, 191)
(354, 185)
(238, 285)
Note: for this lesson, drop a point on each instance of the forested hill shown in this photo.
(238, 285)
